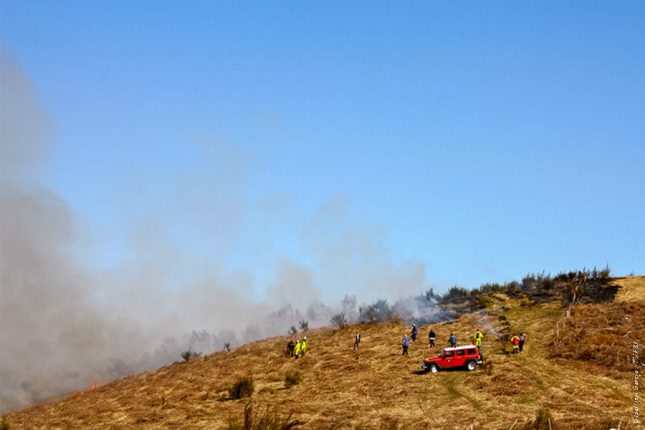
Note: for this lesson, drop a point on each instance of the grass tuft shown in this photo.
(291, 379)
(267, 419)
(543, 421)
(243, 387)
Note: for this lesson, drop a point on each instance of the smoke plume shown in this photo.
(49, 332)
(64, 325)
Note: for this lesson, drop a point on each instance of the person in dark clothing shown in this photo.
(522, 340)
(290, 347)
(431, 338)
(414, 332)
(357, 340)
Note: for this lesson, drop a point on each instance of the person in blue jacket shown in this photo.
(405, 344)
(453, 340)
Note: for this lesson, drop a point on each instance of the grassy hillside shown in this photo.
(564, 373)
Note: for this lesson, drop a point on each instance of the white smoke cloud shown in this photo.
(64, 325)
(45, 316)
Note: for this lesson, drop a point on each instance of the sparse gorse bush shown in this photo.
(339, 320)
(267, 419)
(377, 312)
(304, 326)
(430, 295)
(293, 330)
(574, 291)
(490, 288)
(291, 379)
(454, 294)
(187, 355)
(227, 346)
(243, 387)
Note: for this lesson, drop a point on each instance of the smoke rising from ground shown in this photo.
(64, 325)
(46, 318)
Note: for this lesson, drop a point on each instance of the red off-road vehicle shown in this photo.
(467, 356)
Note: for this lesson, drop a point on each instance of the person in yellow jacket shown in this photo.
(478, 338)
(303, 346)
(298, 349)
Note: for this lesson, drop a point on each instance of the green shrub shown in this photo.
(291, 379)
(243, 387)
(267, 419)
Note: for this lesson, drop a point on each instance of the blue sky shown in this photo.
(480, 140)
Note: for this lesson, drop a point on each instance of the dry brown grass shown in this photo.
(632, 289)
(372, 388)
(600, 334)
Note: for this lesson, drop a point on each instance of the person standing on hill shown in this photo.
(431, 338)
(303, 346)
(405, 344)
(414, 332)
(290, 347)
(297, 349)
(357, 340)
(452, 340)
(478, 338)
(516, 343)
(522, 340)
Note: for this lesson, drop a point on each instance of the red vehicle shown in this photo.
(466, 356)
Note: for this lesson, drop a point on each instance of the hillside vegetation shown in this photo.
(575, 373)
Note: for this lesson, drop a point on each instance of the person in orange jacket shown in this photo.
(516, 343)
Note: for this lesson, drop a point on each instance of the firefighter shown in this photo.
(516, 343)
(522, 340)
(297, 349)
(303, 346)
(478, 338)
(431, 338)
(414, 332)
(290, 347)
(357, 340)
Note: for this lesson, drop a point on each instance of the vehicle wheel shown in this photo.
(471, 365)
(434, 368)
